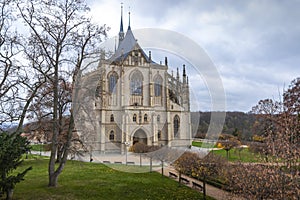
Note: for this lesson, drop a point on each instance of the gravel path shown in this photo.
(210, 190)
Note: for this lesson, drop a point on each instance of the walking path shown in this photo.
(212, 191)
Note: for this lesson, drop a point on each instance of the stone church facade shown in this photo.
(137, 100)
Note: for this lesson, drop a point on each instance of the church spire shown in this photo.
(121, 33)
(129, 28)
(184, 75)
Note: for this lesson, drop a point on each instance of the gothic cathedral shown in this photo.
(137, 100)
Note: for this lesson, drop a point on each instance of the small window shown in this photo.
(145, 118)
(112, 136)
(158, 118)
(112, 119)
(159, 135)
(134, 118)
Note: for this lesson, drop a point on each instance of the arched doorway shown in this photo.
(140, 136)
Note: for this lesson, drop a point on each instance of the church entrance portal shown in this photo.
(140, 136)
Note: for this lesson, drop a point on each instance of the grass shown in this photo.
(82, 180)
(203, 144)
(243, 155)
(236, 155)
(40, 147)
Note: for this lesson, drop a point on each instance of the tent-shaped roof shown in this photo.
(127, 45)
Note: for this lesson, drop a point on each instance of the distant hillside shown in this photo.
(236, 123)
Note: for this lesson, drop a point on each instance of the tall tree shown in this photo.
(267, 112)
(62, 37)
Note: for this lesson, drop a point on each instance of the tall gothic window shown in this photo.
(112, 119)
(134, 118)
(113, 78)
(157, 86)
(136, 84)
(111, 136)
(145, 118)
(176, 124)
(159, 135)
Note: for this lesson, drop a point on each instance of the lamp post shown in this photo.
(126, 144)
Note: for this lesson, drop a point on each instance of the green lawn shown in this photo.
(244, 155)
(40, 147)
(203, 145)
(96, 181)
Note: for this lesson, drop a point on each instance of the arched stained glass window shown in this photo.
(158, 86)
(176, 124)
(113, 78)
(136, 83)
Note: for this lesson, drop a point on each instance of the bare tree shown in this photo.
(281, 125)
(14, 80)
(61, 37)
(266, 112)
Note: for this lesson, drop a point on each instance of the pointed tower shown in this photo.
(121, 33)
(129, 28)
(184, 75)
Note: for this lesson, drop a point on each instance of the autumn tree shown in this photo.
(258, 181)
(266, 112)
(140, 148)
(201, 167)
(185, 163)
(288, 140)
(41, 110)
(228, 142)
(61, 38)
(280, 179)
(281, 125)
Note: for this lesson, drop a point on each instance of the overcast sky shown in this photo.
(254, 44)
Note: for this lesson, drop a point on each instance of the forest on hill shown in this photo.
(239, 124)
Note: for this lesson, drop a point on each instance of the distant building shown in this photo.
(137, 100)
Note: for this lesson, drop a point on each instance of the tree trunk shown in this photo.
(204, 188)
(53, 178)
(9, 194)
(179, 182)
(51, 169)
(227, 154)
(162, 168)
(59, 153)
(150, 164)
